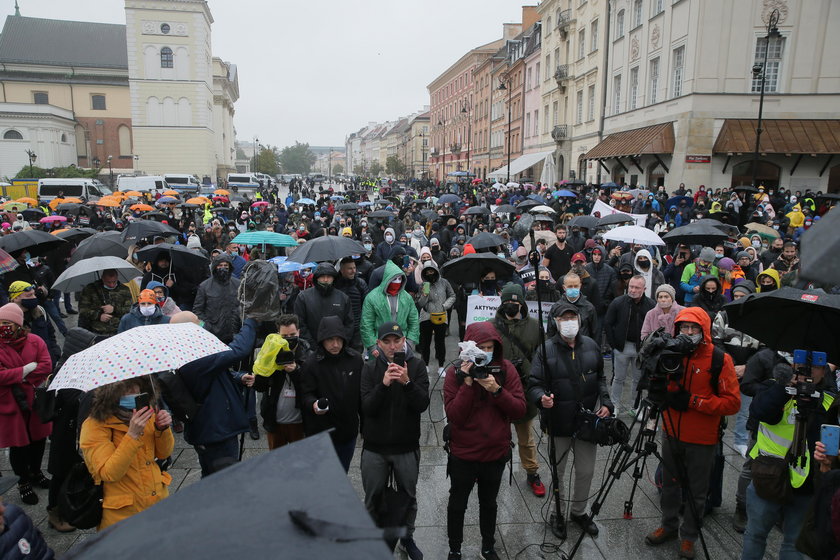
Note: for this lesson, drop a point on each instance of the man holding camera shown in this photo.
(695, 404)
(782, 484)
(395, 392)
(570, 378)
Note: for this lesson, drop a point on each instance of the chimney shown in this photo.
(530, 16)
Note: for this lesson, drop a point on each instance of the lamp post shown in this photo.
(32, 158)
(443, 123)
(329, 167)
(111, 171)
(466, 107)
(761, 70)
(136, 163)
(256, 161)
(508, 87)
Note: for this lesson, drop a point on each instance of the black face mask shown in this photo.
(221, 274)
(510, 309)
(488, 286)
(293, 341)
(324, 289)
(431, 278)
(626, 275)
(765, 289)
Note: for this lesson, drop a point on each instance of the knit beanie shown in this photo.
(726, 263)
(745, 286)
(667, 288)
(147, 296)
(742, 255)
(707, 254)
(193, 242)
(512, 292)
(12, 312)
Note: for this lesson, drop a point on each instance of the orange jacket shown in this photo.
(700, 423)
(126, 466)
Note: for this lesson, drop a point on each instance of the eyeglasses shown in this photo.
(689, 327)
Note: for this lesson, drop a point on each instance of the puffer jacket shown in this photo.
(21, 540)
(217, 304)
(136, 319)
(527, 332)
(131, 479)
(441, 295)
(700, 423)
(575, 376)
(16, 430)
(377, 309)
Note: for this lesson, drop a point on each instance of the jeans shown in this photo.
(624, 362)
(762, 516)
(464, 476)
(52, 310)
(345, 451)
(215, 456)
(56, 297)
(376, 469)
(741, 435)
(438, 332)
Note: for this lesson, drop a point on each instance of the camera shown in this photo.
(661, 361)
(805, 392)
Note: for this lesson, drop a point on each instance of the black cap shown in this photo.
(563, 307)
(388, 328)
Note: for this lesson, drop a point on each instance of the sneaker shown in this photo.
(27, 494)
(558, 526)
(72, 312)
(489, 554)
(410, 548)
(739, 522)
(660, 536)
(536, 485)
(585, 523)
(741, 448)
(454, 555)
(39, 480)
(686, 549)
(254, 429)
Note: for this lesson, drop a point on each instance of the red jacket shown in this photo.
(700, 423)
(13, 356)
(480, 422)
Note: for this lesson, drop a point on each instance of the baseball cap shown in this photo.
(389, 328)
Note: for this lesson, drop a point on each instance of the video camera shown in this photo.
(470, 352)
(661, 361)
(805, 392)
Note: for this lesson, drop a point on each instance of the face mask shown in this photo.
(756, 243)
(147, 311)
(510, 309)
(31, 303)
(769, 288)
(8, 332)
(718, 255)
(644, 265)
(393, 288)
(568, 329)
(626, 275)
(488, 357)
(389, 239)
(128, 402)
(488, 285)
(665, 304)
(573, 293)
(324, 287)
(368, 247)
(107, 287)
(222, 274)
(696, 339)
(292, 340)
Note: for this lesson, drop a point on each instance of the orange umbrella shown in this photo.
(170, 192)
(107, 202)
(57, 231)
(129, 194)
(142, 207)
(28, 200)
(198, 200)
(221, 192)
(73, 199)
(55, 202)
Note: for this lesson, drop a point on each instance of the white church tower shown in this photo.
(171, 86)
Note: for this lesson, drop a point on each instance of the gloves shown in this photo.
(679, 400)
(782, 374)
(29, 368)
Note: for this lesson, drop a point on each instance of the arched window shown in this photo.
(63, 138)
(12, 135)
(167, 60)
(767, 173)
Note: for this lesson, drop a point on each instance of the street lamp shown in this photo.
(32, 158)
(256, 161)
(466, 107)
(111, 171)
(508, 87)
(329, 168)
(760, 70)
(444, 149)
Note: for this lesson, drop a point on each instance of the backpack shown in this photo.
(259, 291)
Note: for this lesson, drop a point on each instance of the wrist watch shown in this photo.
(498, 391)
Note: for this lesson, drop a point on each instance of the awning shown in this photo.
(656, 139)
(520, 164)
(779, 136)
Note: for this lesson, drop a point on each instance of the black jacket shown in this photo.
(617, 322)
(575, 377)
(392, 414)
(273, 386)
(19, 527)
(356, 290)
(311, 306)
(710, 302)
(586, 312)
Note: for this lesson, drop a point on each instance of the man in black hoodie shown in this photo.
(323, 300)
(216, 302)
(394, 395)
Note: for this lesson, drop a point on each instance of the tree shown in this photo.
(268, 161)
(375, 169)
(297, 159)
(337, 168)
(394, 166)
(69, 172)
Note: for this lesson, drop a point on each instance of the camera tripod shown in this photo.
(635, 454)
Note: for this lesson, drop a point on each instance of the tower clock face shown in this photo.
(164, 28)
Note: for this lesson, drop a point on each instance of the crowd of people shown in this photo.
(351, 348)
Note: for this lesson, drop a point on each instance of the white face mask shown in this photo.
(389, 238)
(568, 329)
(147, 311)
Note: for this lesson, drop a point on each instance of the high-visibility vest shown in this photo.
(777, 439)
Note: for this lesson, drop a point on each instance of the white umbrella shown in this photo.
(136, 352)
(513, 185)
(549, 171)
(634, 234)
(542, 209)
(76, 277)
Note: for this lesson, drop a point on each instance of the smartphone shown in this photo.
(399, 358)
(141, 401)
(406, 261)
(830, 437)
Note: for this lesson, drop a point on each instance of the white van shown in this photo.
(182, 182)
(146, 183)
(86, 189)
(266, 179)
(243, 181)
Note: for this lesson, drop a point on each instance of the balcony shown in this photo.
(561, 76)
(564, 20)
(434, 152)
(559, 133)
(455, 148)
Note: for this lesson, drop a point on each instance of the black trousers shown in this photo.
(427, 331)
(465, 475)
(26, 460)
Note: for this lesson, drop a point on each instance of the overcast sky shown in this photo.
(317, 71)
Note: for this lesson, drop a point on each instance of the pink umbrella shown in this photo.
(260, 203)
(51, 219)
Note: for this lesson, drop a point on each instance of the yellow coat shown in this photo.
(126, 466)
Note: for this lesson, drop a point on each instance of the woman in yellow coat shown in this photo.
(120, 445)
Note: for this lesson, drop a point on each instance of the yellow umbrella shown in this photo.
(57, 231)
(15, 206)
(221, 192)
(28, 200)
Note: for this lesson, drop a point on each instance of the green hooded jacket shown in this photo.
(376, 309)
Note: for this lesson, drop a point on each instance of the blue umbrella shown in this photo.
(538, 198)
(675, 201)
(365, 203)
(610, 185)
(284, 266)
(564, 193)
(448, 198)
(265, 238)
(305, 201)
(336, 197)
(167, 200)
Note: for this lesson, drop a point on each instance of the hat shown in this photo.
(667, 288)
(741, 255)
(389, 328)
(12, 312)
(325, 269)
(434, 241)
(512, 292)
(563, 307)
(578, 257)
(726, 263)
(707, 254)
(18, 287)
(744, 285)
(193, 242)
(347, 231)
(589, 244)
(147, 296)
(285, 357)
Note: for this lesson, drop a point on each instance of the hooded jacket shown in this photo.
(710, 302)
(441, 295)
(136, 319)
(383, 250)
(701, 422)
(169, 307)
(772, 273)
(653, 276)
(604, 276)
(479, 421)
(312, 305)
(691, 277)
(377, 308)
(217, 303)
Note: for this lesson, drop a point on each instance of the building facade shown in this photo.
(225, 94)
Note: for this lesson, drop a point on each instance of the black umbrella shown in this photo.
(179, 255)
(33, 214)
(140, 229)
(485, 240)
(385, 214)
(225, 210)
(478, 211)
(828, 196)
(105, 244)
(746, 188)
(449, 198)
(156, 216)
(468, 268)
(587, 222)
(187, 205)
(506, 209)
(820, 246)
(279, 517)
(527, 204)
(348, 207)
(38, 243)
(695, 234)
(327, 248)
(730, 230)
(72, 207)
(574, 183)
(789, 319)
(617, 218)
(429, 214)
(74, 235)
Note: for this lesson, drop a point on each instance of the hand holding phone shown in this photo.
(141, 401)
(399, 358)
(830, 438)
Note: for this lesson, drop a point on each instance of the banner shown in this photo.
(483, 308)
(603, 210)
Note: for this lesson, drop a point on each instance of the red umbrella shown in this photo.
(221, 199)
(476, 181)
(260, 203)
(50, 219)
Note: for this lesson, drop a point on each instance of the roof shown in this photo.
(656, 139)
(779, 136)
(53, 42)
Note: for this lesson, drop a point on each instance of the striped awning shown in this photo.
(779, 136)
(656, 139)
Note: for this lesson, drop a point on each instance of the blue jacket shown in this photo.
(21, 532)
(136, 319)
(238, 264)
(222, 414)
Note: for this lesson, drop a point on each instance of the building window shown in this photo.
(590, 115)
(12, 135)
(545, 117)
(536, 122)
(547, 65)
(63, 138)
(164, 28)
(594, 33)
(774, 62)
(97, 102)
(581, 43)
(41, 98)
(656, 7)
(637, 13)
(617, 94)
(554, 110)
(528, 79)
(537, 74)
(124, 135)
(632, 101)
(527, 125)
(679, 66)
(579, 108)
(619, 24)
(167, 60)
(654, 79)
(100, 142)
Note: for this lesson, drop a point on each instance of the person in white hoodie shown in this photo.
(643, 263)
